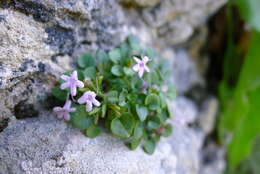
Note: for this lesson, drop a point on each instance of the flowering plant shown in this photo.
(123, 91)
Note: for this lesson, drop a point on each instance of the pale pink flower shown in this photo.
(141, 66)
(64, 112)
(89, 98)
(72, 82)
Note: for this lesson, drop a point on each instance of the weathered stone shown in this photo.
(176, 19)
(212, 159)
(185, 72)
(208, 114)
(56, 147)
(40, 39)
(139, 3)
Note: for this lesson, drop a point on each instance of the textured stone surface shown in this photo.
(40, 39)
(55, 147)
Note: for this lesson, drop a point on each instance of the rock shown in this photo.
(56, 147)
(185, 73)
(184, 111)
(213, 160)
(41, 39)
(176, 19)
(208, 114)
(139, 3)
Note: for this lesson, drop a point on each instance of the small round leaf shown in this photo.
(93, 131)
(123, 126)
(152, 101)
(80, 118)
(115, 55)
(149, 146)
(90, 72)
(86, 60)
(167, 130)
(117, 70)
(142, 112)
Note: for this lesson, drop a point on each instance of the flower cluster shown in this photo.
(122, 90)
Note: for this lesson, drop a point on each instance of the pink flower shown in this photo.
(63, 112)
(72, 82)
(89, 98)
(140, 67)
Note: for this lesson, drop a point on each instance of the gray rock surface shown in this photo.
(40, 39)
(47, 145)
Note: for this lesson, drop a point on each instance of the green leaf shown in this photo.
(128, 71)
(133, 41)
(142, 112)
(134, 144)
(115, 55)
(153, 122)
(167, 130)
(240, 115)
(60, 94)
(122, 97)
(249, 10)
(138, 131)
(123, 126)
(93, 131)
(104, 110)
(149, 146)
(112, 96)
(94, 111)
(90, 72)
(152, 101)
(80, 118)
(124, 48)
(80, 75)
(164, 115)
(86, 60)
(150, 52)
(117, 70)
(102, 56)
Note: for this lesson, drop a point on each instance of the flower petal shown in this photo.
(82, 99)
(57, 109)
(75, 75)
(145, 59)
(72, 110)
(64, 85)
(137, 60)
(79, 84)
(141, 72)
(66, 116)
(67, 105)
(93, 94)
(146, 68)
(136, 67)
(95, 102)
(73, 90)
(64, 77)
(88, 106)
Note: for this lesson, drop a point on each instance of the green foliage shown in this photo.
(132, 108)
(142, 112)
(240, 122)
(123, 126)
(60, 94)
(86, 60)
(249, 10)
(81, 119)
(93, 131)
